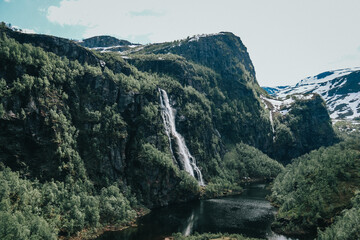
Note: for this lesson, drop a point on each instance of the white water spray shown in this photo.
(186, 160)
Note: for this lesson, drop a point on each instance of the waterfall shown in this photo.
(272, 124)
(185, 159)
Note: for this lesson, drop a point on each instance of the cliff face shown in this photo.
(60, 117)
(223, 52)
(219, 66)
(306, 126)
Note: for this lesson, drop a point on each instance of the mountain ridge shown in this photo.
(339, 88)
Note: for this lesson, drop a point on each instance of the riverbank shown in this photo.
(218, 190)
(210, 236)
(248, 214)
(88, 234)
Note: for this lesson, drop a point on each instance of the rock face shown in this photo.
(339, 88)
(61, 117)
(231, 82)
(301, 124)
(223, 52)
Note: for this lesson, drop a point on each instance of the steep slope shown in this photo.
(315, 188)
(300, 124)
(230, 82)
(340, 90)
(223, 52)
(219, 66)
(61, 119)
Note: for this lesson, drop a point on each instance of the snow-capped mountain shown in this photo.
(339, 88)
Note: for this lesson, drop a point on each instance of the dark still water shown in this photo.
(248, 214)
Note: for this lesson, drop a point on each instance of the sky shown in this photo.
(287, 40)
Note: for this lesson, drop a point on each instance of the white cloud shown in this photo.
(7, 1)
(287, 40)
(109, 16)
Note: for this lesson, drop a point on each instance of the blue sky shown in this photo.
(287, 40)
(32, 15)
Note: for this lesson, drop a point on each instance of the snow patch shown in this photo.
(198, 36)
(340, 105)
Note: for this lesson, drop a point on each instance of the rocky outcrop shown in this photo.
(303, 126)
(223, 52)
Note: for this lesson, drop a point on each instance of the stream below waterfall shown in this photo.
(249, 214)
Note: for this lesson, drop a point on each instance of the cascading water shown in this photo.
(186, 160)
(272, 124)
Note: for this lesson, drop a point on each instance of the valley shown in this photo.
(95, 133)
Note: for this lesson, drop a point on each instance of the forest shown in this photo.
(319, 192)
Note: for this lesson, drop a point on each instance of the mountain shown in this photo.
(107, 44)
(105, 133)
(339, 88)
(103, 41)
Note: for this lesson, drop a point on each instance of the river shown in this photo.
(249, 214)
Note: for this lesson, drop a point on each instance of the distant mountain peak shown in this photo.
(103, 41)
(107, 44)
(327, 76)
(339, 88)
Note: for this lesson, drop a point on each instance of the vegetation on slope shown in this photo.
(34, 210)
(242, 163)
(316, 187)
(347, 225)
(47, 191)
(307, 126)
(240, 118)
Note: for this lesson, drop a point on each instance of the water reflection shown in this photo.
(189, 224)
(248, 214)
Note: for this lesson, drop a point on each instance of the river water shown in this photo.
(249, 214)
